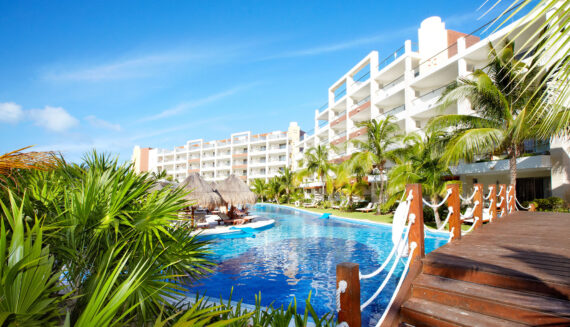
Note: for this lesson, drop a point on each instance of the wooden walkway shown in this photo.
(514, 272)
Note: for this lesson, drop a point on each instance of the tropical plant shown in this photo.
(503, 97)
(375, 152)
(347, 184)
(259, 187)
(551, 48)
(316, 162)
(420, 162)
(274, 189)
(336, 178)
(288, 180)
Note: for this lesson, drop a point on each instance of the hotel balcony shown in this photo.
(532, 163)
(195, 170)
(339, 138)
(257, 139)
(358, 134)
(277, 136)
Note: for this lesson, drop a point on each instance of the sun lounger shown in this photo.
(340, 205)
(370, 207)
(310, 205)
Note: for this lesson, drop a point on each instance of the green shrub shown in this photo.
(326, 204)
(552, 203)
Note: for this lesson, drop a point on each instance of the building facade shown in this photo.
(244, 154)
(408, 84)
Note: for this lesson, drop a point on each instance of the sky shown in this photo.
(109, 75)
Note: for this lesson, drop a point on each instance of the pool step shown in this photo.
(522, 307)
(423, 313)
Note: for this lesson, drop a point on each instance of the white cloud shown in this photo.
(53, 118)
(10, 112)
(182, 107)
(120, 69)
(100, 123)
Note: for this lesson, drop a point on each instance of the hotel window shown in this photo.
(282, 146)
(263, 148)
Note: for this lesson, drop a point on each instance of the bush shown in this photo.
(552, 203)
(429, 216)
(326, 204)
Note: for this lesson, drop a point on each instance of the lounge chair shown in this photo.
(370, 207)
(310, 205)
(340, 205)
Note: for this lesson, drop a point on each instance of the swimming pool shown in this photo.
(299, 254)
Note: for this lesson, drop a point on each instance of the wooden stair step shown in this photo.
(494, 276)
(423, 313)
(498, 302)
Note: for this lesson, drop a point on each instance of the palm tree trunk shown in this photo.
(434, 199)
(381, 195)
(513, 165)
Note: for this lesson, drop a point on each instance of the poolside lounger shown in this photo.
(368, 208)
(340, 205)
(310, 205)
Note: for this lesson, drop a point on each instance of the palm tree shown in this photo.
(316, 162)
(274, 189)
(336, 178)
(503, 97)
(287, 179)
(376, 150)
(420, 162)
(550, 44)
(260, 188)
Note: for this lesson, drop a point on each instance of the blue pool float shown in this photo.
(325, 215)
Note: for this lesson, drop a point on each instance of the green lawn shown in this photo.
(387, 218)
(350, 214)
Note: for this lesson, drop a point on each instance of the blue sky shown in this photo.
(113, 74)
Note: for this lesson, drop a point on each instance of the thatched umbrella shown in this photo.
(160, 184)
(202, 193)
(236, 192)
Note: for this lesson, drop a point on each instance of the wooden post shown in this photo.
(417, 228)
(532, 207)
(454, 202)
(493, 202)
(503, 200)
(478, 211)
(192, 221)
(512, 203)
(350, 299)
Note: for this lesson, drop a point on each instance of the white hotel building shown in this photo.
(407, 85)
(245, 155)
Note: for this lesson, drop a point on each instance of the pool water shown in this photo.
(298, 255)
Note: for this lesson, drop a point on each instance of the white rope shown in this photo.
(502, 213)
(472, 211)
(451, 234)
(472, 226)
(491, 207)
(471, 197)
(342, 285)
(449, 213)
(509, 199)
(500, 190)
(520, 205)
(386, 279)
(489, 194)
(397, 290)
(394, 248)
(342, 324)
(435, 206)
(501, 202)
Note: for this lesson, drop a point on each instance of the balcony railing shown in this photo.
(396, 110)
(391, 58)
(277, 136)
(361, 102)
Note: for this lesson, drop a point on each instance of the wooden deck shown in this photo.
(513, 272)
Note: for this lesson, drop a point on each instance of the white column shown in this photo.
(409, 93)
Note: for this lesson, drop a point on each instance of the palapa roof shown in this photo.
(160, 184)
(202, 193)
(236, 192)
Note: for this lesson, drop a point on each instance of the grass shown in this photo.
(370, 216)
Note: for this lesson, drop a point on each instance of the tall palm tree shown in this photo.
(335, 179)
(260, 188)
(288, 180)
(550, 44)
(347, 183)
(274, 189)
(420, 162)
(382, 135)
(316, 162)
(504, 97)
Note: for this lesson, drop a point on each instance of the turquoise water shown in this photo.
(298, 255)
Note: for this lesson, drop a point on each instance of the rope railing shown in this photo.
(522, 207)
(408, 239)
(396, 291)
(471, 228)
(470, 197)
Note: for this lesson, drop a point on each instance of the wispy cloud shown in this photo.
(120, 69)
(185, 106)
(342, 45)
(100, 123)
